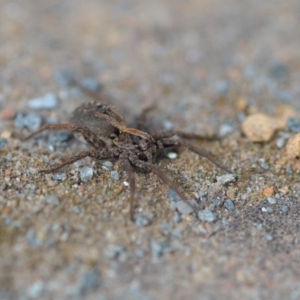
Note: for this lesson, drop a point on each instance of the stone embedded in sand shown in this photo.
(292, 148)
(260, 127)
(269, 191)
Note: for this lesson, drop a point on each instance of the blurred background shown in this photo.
(207, 64)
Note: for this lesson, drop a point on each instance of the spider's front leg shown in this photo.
(97, 154)
(88, 135)
(169, 142)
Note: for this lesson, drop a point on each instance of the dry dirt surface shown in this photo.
(208, 65)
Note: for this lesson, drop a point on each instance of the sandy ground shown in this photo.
(207, 64)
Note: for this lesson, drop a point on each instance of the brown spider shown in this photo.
(106, 131)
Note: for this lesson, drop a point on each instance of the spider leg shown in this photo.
(98, 154)
(160, 174)
(88, 135)
(169, 142)
(142, 118)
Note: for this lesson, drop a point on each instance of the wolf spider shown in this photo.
(103, 128)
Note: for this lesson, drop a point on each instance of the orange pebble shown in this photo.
(269, 191)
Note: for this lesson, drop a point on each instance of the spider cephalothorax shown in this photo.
(106, 131)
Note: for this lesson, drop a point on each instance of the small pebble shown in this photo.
(115, 175)
(64, 77)
(8, 113)
(229, 205)
(226, 179)
(31, 121)
(3, 142)
(216, 201)
(225, 129)
(280, 142)
(269, 191)
(36, 289)
(184, 208)
(168, 125)
(107, 164)
(32, 238)
(91, 84)
(267, 209)
(49, 101)
(288, 170)
(142, 221)
(294, 124)
(271, 200)
(59, 176)
(172, 155)
(86, 173)
(206, 215)
(285, 208)
(269, 237)
(51, 199)
(89, 282)
(265, 166)
(76, 209)
(260, 227)
(59, 138)
(259, 127)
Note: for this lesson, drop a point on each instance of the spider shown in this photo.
(103, 128)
